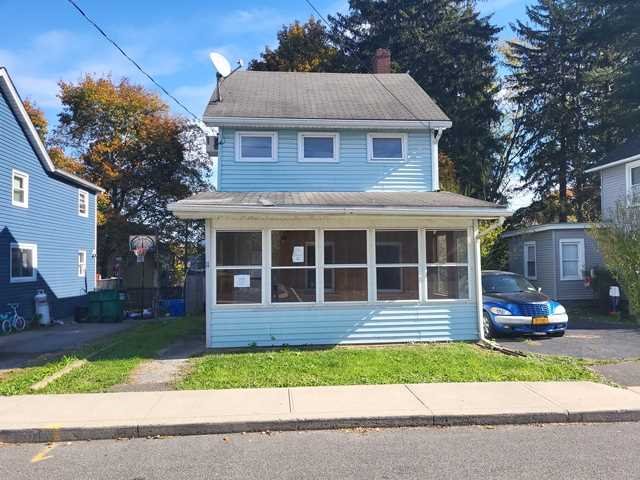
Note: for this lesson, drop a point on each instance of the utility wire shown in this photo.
(115, 44)
(317, 11)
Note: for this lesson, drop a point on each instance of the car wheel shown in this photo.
(487, 326)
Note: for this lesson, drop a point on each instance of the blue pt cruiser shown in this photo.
(513, 305)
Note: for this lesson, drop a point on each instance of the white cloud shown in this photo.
(257, 20)
(195, 97)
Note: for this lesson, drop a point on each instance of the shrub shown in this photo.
(619, 243)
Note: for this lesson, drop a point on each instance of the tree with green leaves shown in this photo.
(133, 147)
(449, 49)
(301, 48)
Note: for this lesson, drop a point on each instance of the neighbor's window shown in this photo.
(530, 260)
(256, 146)
(318, 147)
(387, 147)
(19, 189)
(83, 203)
(82, 263)
(293, 266)
(345, 265)
(571, 259)
(24, 262)
(397, 265)
(447, 264)
(238, 267)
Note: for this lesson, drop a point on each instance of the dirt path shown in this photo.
(163, 372)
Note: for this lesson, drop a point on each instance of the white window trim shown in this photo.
(24, 246)
(82, 266)
(320, 269)
(526, 259)
(271, 267)
(467, 264)
(395, 265)
(85, 194)
(336, 147)
(581, 262)
(25, 177)
(371, 136)
(274, 147)
(629, 192)
(262, 267)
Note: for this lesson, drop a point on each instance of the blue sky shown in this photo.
(50, 41)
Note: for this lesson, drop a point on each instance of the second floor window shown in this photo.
(83, 203)
(256, 146)
(318, 147)
(19, 189)
(387, 147)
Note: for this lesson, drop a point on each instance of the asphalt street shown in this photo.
(596, 451)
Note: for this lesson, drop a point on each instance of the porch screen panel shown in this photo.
(397, 265)
(345, 266)
(293, 266)
(238, 267)
(447, 264)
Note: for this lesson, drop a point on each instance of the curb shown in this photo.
(65, 434)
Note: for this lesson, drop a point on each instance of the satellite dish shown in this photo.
(221, 64)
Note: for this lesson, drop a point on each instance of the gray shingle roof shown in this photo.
(628, 149)
(346, 200)
(344, 96)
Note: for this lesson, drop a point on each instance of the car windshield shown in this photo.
(506, 284)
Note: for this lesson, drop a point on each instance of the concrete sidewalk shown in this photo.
(43, 418)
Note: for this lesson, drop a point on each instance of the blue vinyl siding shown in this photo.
(327, 325)
(51, 222)
(353, 171)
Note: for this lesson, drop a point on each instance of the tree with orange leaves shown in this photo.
(132, 146)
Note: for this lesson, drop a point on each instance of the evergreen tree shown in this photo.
(551, 77)
(449, 49)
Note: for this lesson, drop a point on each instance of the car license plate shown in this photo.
(540, 320)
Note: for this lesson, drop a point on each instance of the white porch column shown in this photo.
(477, 260)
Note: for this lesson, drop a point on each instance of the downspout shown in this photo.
(478, 272)
(435, 174)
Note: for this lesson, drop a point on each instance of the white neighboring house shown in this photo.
(620, 176)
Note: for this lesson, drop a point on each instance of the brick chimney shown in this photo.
(382, 61)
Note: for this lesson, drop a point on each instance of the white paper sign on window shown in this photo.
(241, 281)
(298, 255)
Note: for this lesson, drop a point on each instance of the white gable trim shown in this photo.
(15, 103)
(613, 164)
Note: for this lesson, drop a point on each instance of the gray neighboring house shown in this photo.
(555, 258)
(620, 176)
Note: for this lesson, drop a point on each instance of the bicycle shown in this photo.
(12, 320)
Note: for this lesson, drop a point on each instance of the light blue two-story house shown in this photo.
(328, 225)
(47, 219)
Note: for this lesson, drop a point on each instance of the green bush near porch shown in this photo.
(450, 362)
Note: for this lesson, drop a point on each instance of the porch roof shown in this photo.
(366, 203)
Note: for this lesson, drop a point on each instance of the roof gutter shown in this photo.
(613, 164)
(370, 124)
(187, 209)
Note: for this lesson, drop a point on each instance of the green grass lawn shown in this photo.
(450, 362)
(110, 361)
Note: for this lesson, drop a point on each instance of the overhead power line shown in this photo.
(115, 44)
